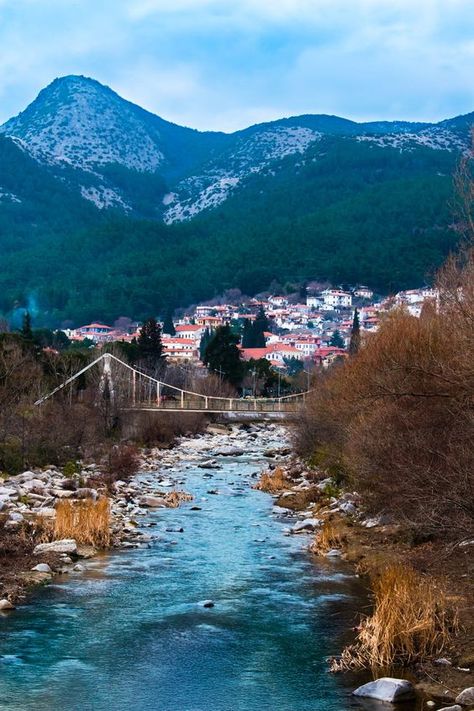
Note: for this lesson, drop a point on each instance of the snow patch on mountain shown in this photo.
(6, 196)
(103, 197)
(435, 138)
(249, 155)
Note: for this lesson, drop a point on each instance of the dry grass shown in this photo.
(174, 498)
(273, 481)
(412, 620)
(86, 521)
(330, 536)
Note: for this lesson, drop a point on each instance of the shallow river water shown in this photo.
(131, 631)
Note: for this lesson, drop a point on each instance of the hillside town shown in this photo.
(304, 330)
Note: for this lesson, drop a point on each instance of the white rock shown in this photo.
(347, 507)
(6, 491)
(47, 512)
(309, 524)
(466, 697)
(387, 689)
(66, 545)
(456, 707)
(62, 493)
(6, 605)
(12, 525)
(15, 516)
(42, 568)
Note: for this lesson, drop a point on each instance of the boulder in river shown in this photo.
(6, 605)
(153, 502)
(387, 689)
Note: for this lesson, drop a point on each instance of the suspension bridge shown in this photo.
(132, 389)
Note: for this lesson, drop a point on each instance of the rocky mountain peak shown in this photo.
(77, 120)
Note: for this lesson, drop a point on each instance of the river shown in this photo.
(131, 631)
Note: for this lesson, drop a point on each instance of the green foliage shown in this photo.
(150, 347)
(350, 212)
(70, 469)
(205, 340)
(168, 325)
(293, 365)
(337, 340)
(222, 355)
(354, 344)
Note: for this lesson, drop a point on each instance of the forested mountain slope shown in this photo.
(106, 209)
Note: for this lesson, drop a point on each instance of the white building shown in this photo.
(314, 302)
(336, 298)
(363, 292)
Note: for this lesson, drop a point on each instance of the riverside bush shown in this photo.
(398, 416)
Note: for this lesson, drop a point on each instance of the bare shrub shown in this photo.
(122, 463)
(398, 418)
(162, 428)
(412, 620)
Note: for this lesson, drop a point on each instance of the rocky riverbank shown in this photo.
(337, 527)
(330, 521)
(30, 555)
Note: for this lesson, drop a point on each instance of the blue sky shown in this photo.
(223, 64)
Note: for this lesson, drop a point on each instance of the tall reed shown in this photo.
(412, 621)
(86, 521)
(330, 536)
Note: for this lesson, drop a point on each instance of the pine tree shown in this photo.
(222, 355)
(205, 339)
(337, 340)
(26, 330)
(150, 346)
(259, 326)
(168, 325)
(247, 334)
(354, 344)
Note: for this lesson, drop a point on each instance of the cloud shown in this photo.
(227, 63)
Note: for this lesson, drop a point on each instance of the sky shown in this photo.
(227, 64)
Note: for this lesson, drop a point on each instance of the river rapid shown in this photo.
(132, 632)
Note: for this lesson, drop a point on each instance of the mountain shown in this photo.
(177, 214)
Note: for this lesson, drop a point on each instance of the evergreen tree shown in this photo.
(168, 325)
(205, 339)
(259, 326)
(354, 344)
(222, 355)
(150, 347)
(337, 340)
(26, 330)
(247, 334)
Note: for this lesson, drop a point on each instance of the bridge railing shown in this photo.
(146, 392)
(224, 405)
